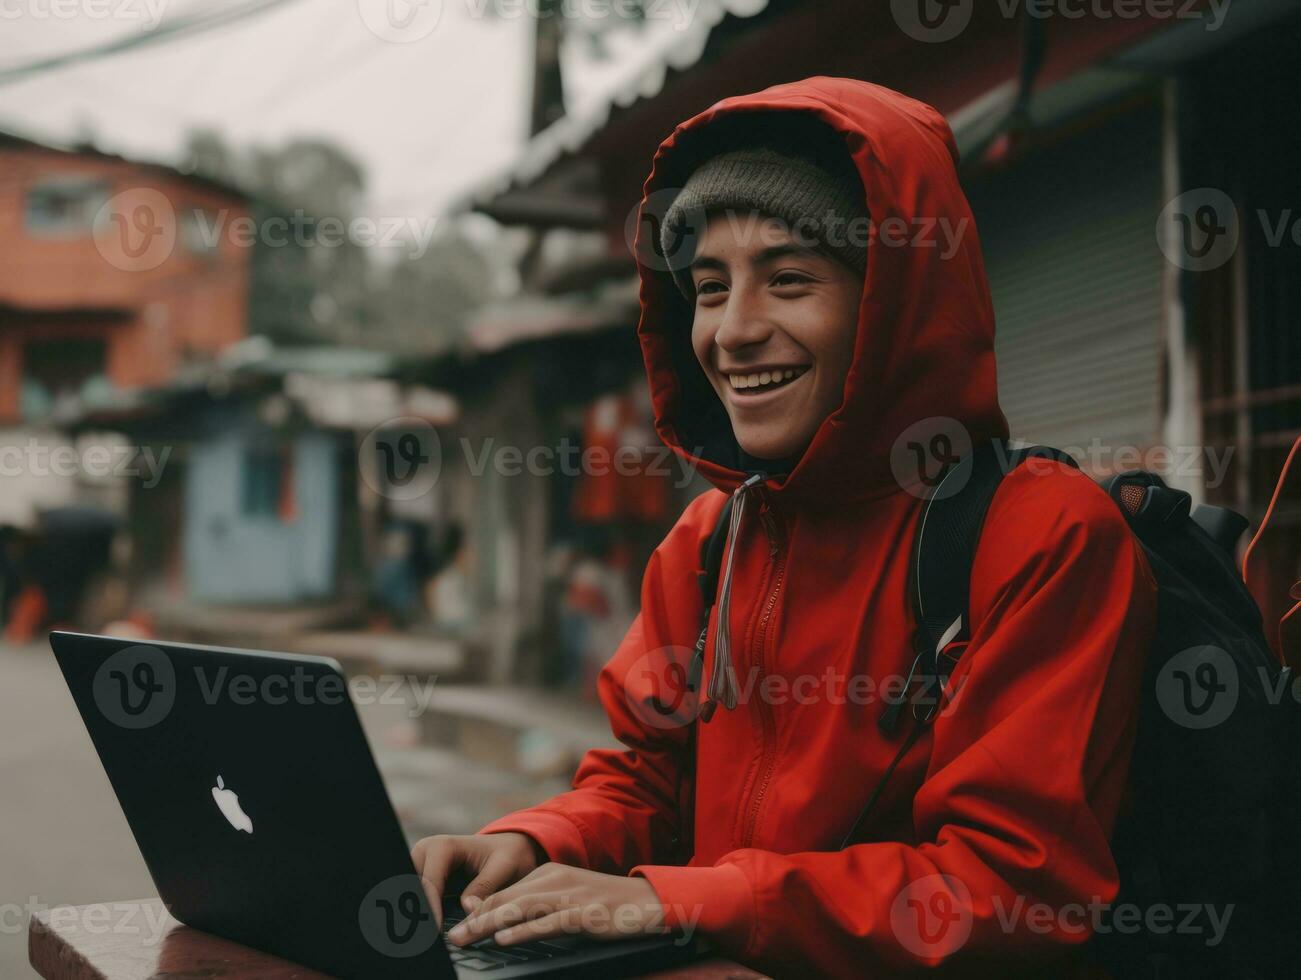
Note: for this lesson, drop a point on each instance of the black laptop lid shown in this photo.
(250, 788)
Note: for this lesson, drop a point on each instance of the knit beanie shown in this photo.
(819, 199)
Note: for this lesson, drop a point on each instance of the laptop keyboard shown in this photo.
(486, 955)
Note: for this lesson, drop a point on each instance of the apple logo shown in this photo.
(228, 804)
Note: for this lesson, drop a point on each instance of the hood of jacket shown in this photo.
(923, 367)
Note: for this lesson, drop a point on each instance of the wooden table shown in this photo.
(139, 941)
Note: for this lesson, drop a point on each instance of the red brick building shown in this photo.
(115, 273)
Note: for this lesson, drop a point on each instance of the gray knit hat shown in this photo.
(822, 206)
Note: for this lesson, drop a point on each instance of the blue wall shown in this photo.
(235, 556)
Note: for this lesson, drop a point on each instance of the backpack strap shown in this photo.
(939, 585)
(944, 550)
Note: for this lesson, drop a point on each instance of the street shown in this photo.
(65, 839)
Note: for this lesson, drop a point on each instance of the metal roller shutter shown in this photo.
(1071, 251)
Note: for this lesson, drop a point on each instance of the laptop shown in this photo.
(253, 795)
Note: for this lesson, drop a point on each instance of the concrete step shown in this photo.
(256, 627)
(535, 732)
(323, 630)
(401, 654)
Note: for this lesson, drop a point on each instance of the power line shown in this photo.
(178, 28)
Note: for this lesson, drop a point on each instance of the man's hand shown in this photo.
(560, 900)
(494, 860)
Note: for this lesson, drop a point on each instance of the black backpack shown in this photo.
(1207, 842)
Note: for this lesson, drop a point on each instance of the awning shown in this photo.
(533, 317)
(570, 196)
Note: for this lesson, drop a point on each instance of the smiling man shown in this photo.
(793, 362)
(776, 280)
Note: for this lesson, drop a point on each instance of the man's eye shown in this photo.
(790, 278)
(710, 286)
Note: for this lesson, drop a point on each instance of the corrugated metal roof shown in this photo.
(532, 317)
(569, 134)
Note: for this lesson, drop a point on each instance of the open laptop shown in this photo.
(252, 792)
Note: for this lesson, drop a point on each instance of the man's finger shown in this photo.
(503, 915)
(508, 890)
(563, 922)
(434, 865)
(495, 874)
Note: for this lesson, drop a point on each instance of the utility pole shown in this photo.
(548, 97)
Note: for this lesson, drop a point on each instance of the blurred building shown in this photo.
(111, 275)
(234, 489)
(270, 515)
(114, 277)
(1115, 340)
(553, 471)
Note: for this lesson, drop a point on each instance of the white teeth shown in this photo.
(743, 381)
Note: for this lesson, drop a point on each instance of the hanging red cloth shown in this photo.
(623, 476)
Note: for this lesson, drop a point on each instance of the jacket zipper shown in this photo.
(768, 757)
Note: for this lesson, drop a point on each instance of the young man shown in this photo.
(799, 367)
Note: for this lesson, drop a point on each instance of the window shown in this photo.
(65, 206)
(261, 482)
(200, 230)
(57, 370)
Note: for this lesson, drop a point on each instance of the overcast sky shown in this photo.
(430, 112)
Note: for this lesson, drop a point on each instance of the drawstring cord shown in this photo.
(722, 682)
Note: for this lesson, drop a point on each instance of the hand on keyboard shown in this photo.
(487, 955)
(558, 900)
(493, 861)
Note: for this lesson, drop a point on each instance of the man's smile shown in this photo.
(752, 384)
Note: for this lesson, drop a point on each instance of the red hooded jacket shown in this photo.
(990, 841)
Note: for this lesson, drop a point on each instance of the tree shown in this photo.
(307, 287)
(314, 283)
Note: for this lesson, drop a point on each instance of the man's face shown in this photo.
(774, 330)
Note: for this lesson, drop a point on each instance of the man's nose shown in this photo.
(743, 323)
